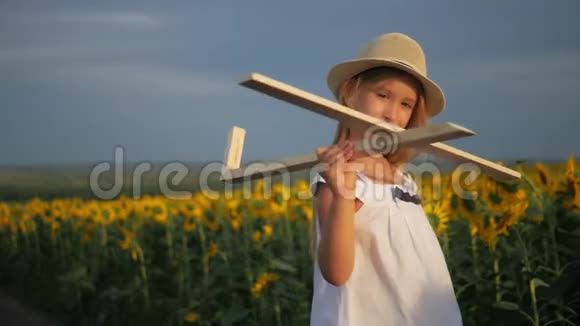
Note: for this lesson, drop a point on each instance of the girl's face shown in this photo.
(391, 99)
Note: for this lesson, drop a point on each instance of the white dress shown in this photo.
(400, 276)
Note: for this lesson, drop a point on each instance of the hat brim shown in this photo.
(434, 97)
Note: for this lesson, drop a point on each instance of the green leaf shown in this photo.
(525, 269)
(234, 314)
(83, 284)
(566, 251)
(546, 269)
(505, 305)
(563, 319)
(102, 317)
(575, 232)
(509, 284)
(282, 266)
(467, 277)
(538, 282)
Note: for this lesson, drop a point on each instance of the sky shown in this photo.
(160, 78)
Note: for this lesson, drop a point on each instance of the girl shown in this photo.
(377, 260)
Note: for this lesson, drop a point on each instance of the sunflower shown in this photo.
(261, 283)
(570, 165)
(4, 214)
(547, 180)
(438, 214)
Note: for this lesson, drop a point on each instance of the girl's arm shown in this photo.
(336, 221)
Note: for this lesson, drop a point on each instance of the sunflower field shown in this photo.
(513, 250)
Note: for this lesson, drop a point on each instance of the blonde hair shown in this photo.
(419, 118)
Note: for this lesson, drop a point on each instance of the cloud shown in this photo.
(148, 79)
(38, 37)
(78, 50)
(53, 52)
(127, 19)
(131, 19)
(130, 79)
(549, 73)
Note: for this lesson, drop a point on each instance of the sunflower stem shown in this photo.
(475, 257)
(497, 277)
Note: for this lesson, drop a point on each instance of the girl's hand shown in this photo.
(338, 169)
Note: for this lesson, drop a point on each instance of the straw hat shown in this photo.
(393, 50)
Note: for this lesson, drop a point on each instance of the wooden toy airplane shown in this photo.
(427, 139)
